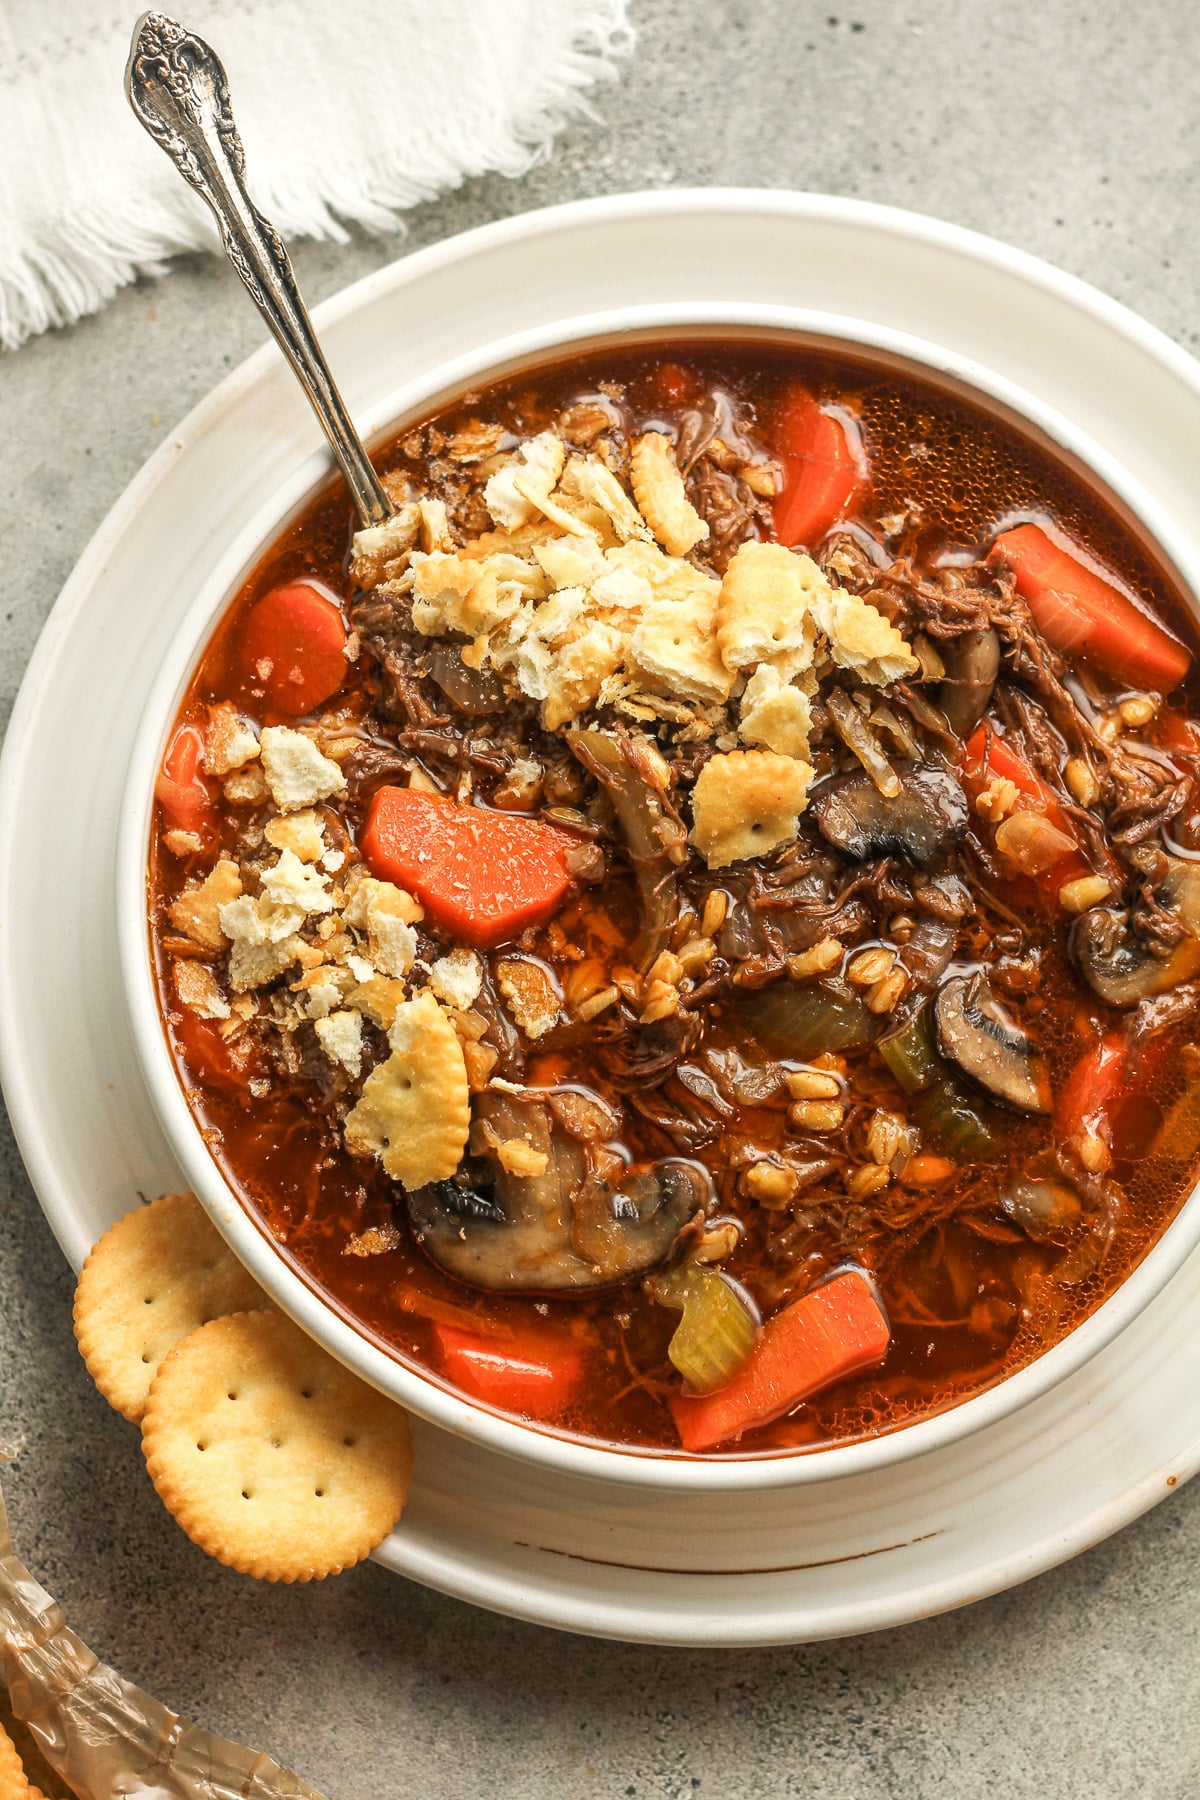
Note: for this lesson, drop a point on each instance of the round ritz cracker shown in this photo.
(271, 1456)
(153, 1277)
(14, 1783)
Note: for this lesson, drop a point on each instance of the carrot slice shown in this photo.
(1094, 1084)
(534, 1373)
(1079, 612)
(822, 469)
(179, 787)
(833, 1332)
(482, 876)
(293, 647)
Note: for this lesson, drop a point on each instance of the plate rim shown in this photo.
(897, 224)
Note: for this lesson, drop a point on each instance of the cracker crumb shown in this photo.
(340, 1037)
(530, 995)
(747, 803)
(183, 844)
(457, 978)
(297, 773)
(860, 638)
(301, 832)
(510, 495)
(246, 786)
(765, 610)
(198, 989)
(376, 1240)
(386, 913)
(230, 741)
(775, 714)
(661, 496)
(414, 1110)
(675, 644)
(196, 913)
(289, 882)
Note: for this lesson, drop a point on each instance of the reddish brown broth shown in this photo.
(969, 1298)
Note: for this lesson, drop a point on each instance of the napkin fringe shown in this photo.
(77, 266)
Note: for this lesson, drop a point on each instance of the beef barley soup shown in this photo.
(689, 934)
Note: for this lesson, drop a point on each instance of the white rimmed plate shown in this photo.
(864, 1552)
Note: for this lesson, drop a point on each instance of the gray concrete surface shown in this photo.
(1069, 129)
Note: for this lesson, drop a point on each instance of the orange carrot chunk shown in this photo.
(1094, 1085)
(822, 474)
(293, 648)
(833, 1332)
(180, 787)
(531, 1373)
(1081, 613)
(482, 876)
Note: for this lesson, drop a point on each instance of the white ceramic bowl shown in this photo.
(423, 1394)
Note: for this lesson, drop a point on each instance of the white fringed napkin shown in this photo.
(349, 110)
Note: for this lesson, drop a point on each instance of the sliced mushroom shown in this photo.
(972, 664)
(654, 835)
(975, 1031)
(927, 817)
(1120, 967)
(564, 1229)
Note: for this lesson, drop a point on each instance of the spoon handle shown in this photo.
(177, 88)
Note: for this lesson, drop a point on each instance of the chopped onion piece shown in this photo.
(854, 731)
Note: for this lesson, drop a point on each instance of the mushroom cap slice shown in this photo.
(972, 663)
(557, 1229)
(921, 823)
(1119, 967)
(976, 1032)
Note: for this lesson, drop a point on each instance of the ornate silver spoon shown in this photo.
(177, 88)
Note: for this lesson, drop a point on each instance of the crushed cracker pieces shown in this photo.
(340, 1035)
(675, 644)
(661, 496)
(413, 1113)
(378, 548)
(291, 883)
(530, 995)
(246, 786)
(183, 844)
(196, 912)
(379, 997)
(766, 607)
(861, 639)
(302, 833)
(199, 990)
(512, 495)
(376, 1240)
(296, 772)
(775, 714)
(230, 742)
(387, 914)
(456, 978)
(747, 803)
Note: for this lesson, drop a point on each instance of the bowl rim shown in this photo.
(425, 1395)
